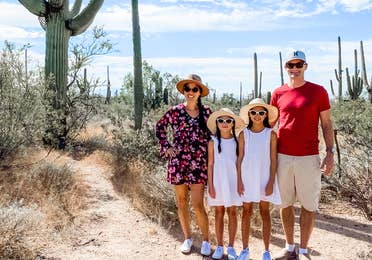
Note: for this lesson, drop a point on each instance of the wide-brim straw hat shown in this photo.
(212, 124)
(193, 78)
(259, 102)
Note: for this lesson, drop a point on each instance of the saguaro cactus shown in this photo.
(355, 84)
(281, 68)
(367, 83)
(255, 91)
(338, 73)
(60, 23)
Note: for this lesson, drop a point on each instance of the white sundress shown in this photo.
(225, 175)
(256, 167)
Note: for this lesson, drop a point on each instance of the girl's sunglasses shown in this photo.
(298, 65)
(261, 113)
(187, 89)
(227, 121)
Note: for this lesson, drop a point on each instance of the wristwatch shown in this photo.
(331, 149)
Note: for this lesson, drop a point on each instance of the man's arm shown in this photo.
(327, 128)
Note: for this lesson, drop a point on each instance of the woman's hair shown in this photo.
(218, 134)
(265, 121)
(202, 124)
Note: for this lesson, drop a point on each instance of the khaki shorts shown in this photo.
(299, 176)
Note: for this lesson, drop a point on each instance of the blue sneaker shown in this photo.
(266, 255)
(218, 253)
(205, 248)
(244, 254)
(231, 253)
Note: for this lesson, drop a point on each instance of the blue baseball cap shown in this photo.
(296, 55)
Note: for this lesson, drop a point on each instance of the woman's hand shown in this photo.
(171, 152)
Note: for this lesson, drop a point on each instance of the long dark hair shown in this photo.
(202, 124)
(218, 134)
(265, 121)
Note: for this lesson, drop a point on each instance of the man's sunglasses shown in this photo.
(261, 113)
(298, 65)
(227, 121)
(187, 89)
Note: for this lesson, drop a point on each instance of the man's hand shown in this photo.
(171, 152)
(327, 165)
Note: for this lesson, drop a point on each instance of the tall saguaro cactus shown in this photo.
(367, 83)
(60, 23)
(338, 73)
(137, 62)
(255, 73)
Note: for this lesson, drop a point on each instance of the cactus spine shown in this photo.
(368, 84)
(338, 73)
(355, 84)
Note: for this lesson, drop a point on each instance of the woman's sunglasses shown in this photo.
(298, 65)
(261, 113)
(187, 89)
(227, 121)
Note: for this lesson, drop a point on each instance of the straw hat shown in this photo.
(193, 78)
(259, 102)
(212, 124)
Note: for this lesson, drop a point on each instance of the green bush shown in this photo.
(353, 122)
(21, 111)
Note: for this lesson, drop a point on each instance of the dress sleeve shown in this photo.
(161, 131)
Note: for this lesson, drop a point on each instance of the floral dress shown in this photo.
(189, 166)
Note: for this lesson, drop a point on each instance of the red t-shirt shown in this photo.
(299, 111)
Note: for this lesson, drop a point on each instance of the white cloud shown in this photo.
(356, 5)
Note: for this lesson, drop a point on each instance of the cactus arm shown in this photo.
(81, 22)
(76, 8)
(36, 7)
(331, 84)
(336, 75)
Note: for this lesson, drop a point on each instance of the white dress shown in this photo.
(225, 174)
(256, 167)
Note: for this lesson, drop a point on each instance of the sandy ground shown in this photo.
(111, 228)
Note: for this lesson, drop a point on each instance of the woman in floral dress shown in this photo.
(187, 156)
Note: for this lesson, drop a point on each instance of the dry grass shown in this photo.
(36, 199)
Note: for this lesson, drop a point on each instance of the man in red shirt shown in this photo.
(301, 104)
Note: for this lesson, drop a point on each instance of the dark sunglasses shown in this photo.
(261, 113)
(227, 121)
(187, 89)
(298, 65)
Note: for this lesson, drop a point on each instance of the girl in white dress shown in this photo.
(222, 175)
(257, 166)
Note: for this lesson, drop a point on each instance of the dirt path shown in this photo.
(110, 228)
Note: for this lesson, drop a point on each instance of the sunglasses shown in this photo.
(227, 121)
(261, 113)
(298, 65)
(187, 89)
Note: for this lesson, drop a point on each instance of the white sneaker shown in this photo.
(205, 248)
(231, 253)
(218, 253)
(186, 246)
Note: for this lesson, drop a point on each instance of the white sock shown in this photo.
(302, 250)
(289, 247)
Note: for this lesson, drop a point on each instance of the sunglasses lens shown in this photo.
(186, 89)
(195, 90)
(229, 121)
(298, 65)
(262, 113)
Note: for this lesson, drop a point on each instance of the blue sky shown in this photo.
(217, 38)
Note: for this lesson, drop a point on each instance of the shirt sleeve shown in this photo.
(324, 103)
(161, 132)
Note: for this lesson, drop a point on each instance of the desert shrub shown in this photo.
(139, 172)
(21, 110)
(353, 121)
(52, 187)
(22, 231)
